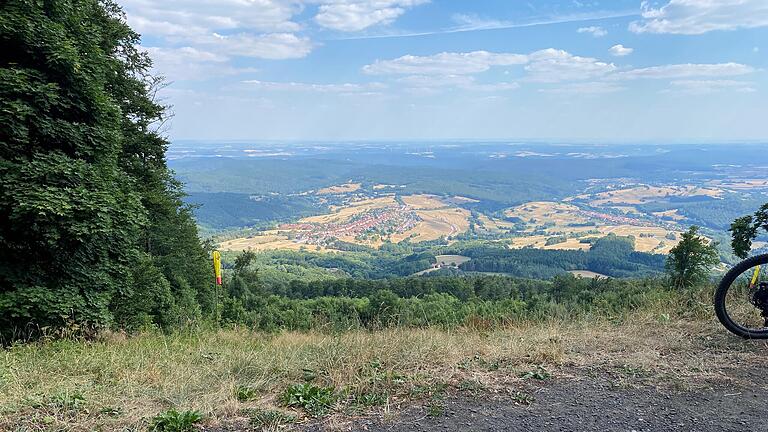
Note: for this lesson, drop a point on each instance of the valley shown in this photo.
(391, 209)
(373, 216)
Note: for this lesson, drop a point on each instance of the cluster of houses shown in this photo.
(616, 219)
(390, 219)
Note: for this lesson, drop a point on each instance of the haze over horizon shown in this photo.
(624, 70)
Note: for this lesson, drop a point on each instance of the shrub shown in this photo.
(315, 400)
(175, 421)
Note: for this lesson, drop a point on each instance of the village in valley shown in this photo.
(375, 214)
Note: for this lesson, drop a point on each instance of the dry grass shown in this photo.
(137, 377)
(339, 189)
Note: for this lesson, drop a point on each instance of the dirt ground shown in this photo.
(595, 398)
(592, 405)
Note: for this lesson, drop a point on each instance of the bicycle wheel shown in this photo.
(741, 299)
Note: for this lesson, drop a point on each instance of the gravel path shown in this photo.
(589, 404)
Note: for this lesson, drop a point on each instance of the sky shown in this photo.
(607, 70)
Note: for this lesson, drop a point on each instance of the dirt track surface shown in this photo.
(587, 406)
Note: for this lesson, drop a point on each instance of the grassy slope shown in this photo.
(122, 382)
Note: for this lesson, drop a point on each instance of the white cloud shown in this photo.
(688, 70)
(356, 15)
(147, 26)
(579, 75)
(246, 28)
(552, 65)
(594, 87)
(465, 82)
(268, 16)
(268, 46)
(620, 50)
(595, 31)
(436, 80)
(701, 16)
(698, 87)
(493, 87)
(446, 63)
(188, 63)
(311, 87)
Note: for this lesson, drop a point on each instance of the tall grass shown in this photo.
(121, 382)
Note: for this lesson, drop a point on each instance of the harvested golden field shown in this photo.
(647, 239)
(740, 184)
(587, 274)
(628, 210)
(494, 225)
(539, 212)
(353, 208)
(430, 219)
(462, 200)
(436, 223)
(451, 259)
(558, 219)
(540, 242)
(672, 214)
(645, 194)
(269, 240)
(423, 202)
(339, 189)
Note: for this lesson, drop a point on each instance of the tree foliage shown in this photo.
(745, 229)
(92, 226)
(691, 261)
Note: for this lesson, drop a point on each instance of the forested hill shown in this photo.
(93, 231)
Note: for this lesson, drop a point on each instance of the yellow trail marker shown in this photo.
(217, 266)
(755, 275)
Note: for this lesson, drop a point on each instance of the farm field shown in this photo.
(369, 213)
(445, 261)
(368, 222)
(642, 194)
(549, 220)
(370, 217)
(587, 274)
(339, 189)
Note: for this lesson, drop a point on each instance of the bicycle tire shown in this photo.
(722, 291)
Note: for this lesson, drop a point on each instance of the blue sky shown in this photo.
(619, 70)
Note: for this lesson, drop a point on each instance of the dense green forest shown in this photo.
(612, 256)
(717, 214)
(93, 230)
(344, 303)
(222, 210)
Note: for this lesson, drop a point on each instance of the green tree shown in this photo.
(745, 229)
(88, 207)
(691, 261)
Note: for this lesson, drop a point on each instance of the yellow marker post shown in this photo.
(755, 275)
(217, 266)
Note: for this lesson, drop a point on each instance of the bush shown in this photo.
(175, 421)
(313, 399)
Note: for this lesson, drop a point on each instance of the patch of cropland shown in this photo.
(335, 198)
